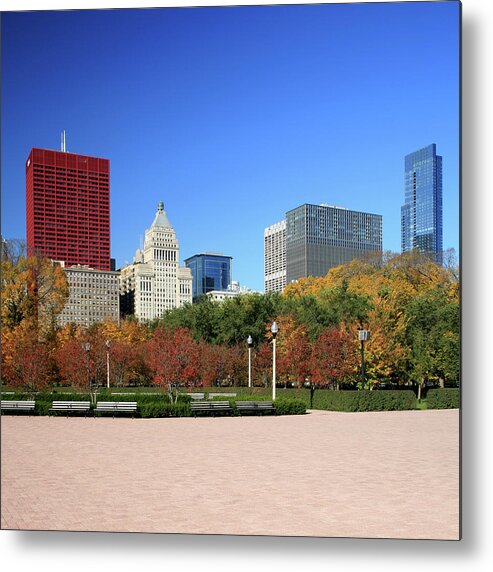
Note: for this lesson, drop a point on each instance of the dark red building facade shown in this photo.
(68, 207)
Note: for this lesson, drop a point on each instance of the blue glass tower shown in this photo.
(421, 214)
(209, 272)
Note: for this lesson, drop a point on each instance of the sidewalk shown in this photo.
(392, 474)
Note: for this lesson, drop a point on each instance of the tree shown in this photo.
(77, 366)
(173, 357)
(33, 289)
(124, 360)
(293, 350)
(434, 317)
(262, 364)
(334, 358)
(421, 362)
(26, 364)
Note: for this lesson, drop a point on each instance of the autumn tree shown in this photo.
(262, 364)
(293, 350)
(334, 358)
(124, 361)
(173, 357)
(25, 360)
(33, 289)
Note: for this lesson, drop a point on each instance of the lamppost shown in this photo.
(87, 349)
(107, 363)
(274, 329)
(363, 336)
(250, 344)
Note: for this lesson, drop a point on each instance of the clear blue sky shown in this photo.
(232, 116)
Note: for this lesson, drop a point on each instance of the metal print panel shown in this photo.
(230, 270)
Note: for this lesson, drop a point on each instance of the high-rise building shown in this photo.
(275, 257)
(317, 238)
(93, 296)
(155, 282)
(210, 272)
(68, 208)
(421, 214)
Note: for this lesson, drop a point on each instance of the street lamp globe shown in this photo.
(274, 329)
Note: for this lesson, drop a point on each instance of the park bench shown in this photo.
(9, 405)
(212, 395)
(116, 407)
(196, 395)
(71, 406)
(210, 407)
(255, 406)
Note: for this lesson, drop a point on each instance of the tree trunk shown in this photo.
(419, 391)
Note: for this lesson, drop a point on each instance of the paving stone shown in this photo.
(379, 474)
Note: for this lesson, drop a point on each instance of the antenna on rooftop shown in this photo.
(63, 143)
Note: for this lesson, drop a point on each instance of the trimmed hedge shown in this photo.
(445, 398)
(290, 406)
(352, 401)
(288, 402)
(180, 409)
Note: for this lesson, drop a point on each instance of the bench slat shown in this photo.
(22, 404)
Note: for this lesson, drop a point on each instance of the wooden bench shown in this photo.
(255, 406)
(210, 407)
(71, 406)
(212, 395)
(116, 407)
(8, 405)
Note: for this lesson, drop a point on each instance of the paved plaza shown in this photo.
(380, 474)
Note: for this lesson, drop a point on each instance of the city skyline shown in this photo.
(283, 106)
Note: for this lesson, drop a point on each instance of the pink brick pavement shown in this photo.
(392, 474)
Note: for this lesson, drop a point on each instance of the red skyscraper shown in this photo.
(68, 207)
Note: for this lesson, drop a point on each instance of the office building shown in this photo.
(93, 296)
(155, 282)
(421, 214)
(68, 208)
(319, 237)
(275, 257)
(210, 271)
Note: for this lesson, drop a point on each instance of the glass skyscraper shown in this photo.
(210, 272)
(421, 214)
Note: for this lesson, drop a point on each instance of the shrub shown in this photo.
(388, 400)
(446, 398)
(157, 409)
(290, 406)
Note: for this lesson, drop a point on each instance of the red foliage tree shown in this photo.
(26, 362)
(173, 357)
(74, 365)
(262, 365)
(237, 364)
(124, 359)
(334, 358)
(211, 364)
(294, 361)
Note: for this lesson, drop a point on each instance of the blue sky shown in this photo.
(232, 116)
